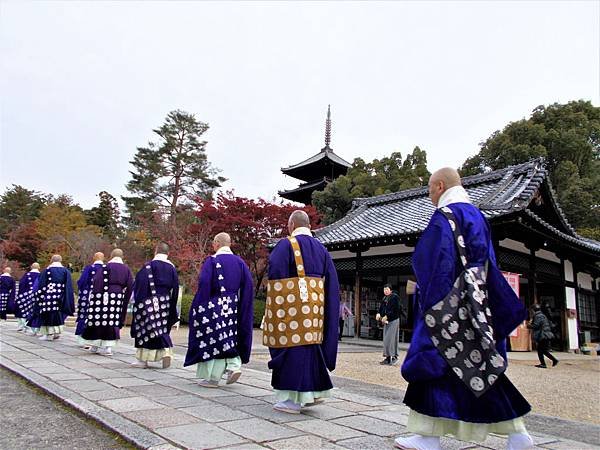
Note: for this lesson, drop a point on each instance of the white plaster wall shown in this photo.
(584, 280)
(549, 256)
(571, 303)
(572, 334)
(569, 270)
(388, 250)
(514, 245)
(570, 296)
(339, 254)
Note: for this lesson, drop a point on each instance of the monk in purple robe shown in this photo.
(84, 285)
(26, 297)
(54, 300)
(301, 372)
(106, 307)
(155, 293)
(464, 311)
(7, 293)
(221, 316)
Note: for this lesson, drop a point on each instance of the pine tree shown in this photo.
(172, 171)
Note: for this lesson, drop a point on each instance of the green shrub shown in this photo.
(259, 311)
(186, 304)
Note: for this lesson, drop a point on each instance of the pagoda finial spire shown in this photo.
(328, 127)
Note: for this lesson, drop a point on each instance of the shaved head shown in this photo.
(98, 256)
(7, 270)
(35, 266)
(221, 240)
(163, 248)
(56, 258)
(442, 180)
(116, 253)
(298, 219)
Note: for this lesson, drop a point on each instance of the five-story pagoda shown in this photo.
(316, 171)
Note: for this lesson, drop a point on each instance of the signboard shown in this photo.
(520, 338)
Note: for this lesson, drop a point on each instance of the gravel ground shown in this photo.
(569, 391)
(32, 420)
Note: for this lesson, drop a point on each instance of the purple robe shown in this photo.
(167, 284)
(84, 284)
(305, 368)
(25, 298)
(434, 389)
(7, 295)
(54, 297)
(221, 315)
(116, 282)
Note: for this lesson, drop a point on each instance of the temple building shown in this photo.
(316, 171)
(540, 254)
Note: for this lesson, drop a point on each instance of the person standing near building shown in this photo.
(106, 306)
(54, 298)
(542, 335)
(25, 298)
(301, 312)
(221, 316)
(7, 293)
(155, 294)
(389, 315)
(344, 314)
(456, 363)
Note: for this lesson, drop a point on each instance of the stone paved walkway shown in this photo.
(164, 409)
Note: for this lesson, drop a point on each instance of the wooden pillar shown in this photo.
(357, 307)
(532, 277)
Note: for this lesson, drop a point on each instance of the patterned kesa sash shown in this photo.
(4, 296)
(84, 296)
(104, 308)
(151, 314)
(25, 299)
(215, 325)
(460, 324)
(295, 308)
(50, 297)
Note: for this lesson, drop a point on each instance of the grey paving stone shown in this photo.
(303, 442)
(40, 363)
(108, 394)
(325, 412)
(194, 388)
(266, 411)
(126, 382)
(185, 400)
(78, 364)
(130, 404)
(248, 391)
(239, 400)
(85, 385)
(327, 430)
(182, 373)
(454, 444)
(367, 443)
(66, 376)
(259, 430)
(150, 375)
(160, 418)
(354, 407)
(218, 413)
(568, 445)
(100, 372)
(200, 436)
(369, 425)
(52, 369)
(155, 391)
(356, 398)
(249, 446)
(397, 417)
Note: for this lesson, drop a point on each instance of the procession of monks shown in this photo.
(455, 366)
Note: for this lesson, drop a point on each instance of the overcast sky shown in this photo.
(84, 83)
